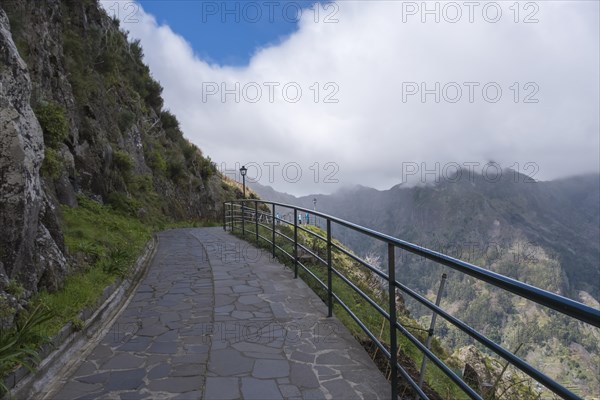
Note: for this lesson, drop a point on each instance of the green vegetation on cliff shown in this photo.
(106, 130)
(104, 243)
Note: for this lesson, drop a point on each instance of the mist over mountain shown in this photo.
(561, 216)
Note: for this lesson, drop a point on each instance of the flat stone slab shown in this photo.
(216, 318)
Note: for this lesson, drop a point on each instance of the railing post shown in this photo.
(392, 306)
(430, 333)
(329, 284)
(243, 218)
(273, 227)
(256, 219)
(231, 216)
(224, 216)
(295, 243)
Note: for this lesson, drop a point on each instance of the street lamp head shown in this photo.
(243, 170)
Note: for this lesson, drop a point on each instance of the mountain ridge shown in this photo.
(509, 200)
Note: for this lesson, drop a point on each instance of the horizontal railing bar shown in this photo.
(284, 235)
(371, 335)
(268, 227)
(366, 264)
(501, 351)
(284, 221)
(312, 233)
(411, 382)
(285, 252)
(265, 239)
(362, 294)
(267, 217)
(323, 285)
(313, 254)
(439, 363)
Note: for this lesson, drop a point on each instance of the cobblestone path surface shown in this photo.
(216, 318)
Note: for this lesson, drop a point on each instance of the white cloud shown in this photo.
(371, 132)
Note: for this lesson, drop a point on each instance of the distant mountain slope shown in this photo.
(268, 193)
(561, 216)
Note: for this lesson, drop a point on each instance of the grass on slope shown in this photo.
(104, 244)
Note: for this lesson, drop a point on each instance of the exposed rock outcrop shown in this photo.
(27, 250)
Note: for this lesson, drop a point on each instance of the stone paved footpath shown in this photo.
(215, 318)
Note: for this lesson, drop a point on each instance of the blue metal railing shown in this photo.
(240, 213)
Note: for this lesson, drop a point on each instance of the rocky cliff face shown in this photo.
(80, 115)
(28, 252)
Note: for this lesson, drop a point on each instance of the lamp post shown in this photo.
(243, 172)
(315, 208)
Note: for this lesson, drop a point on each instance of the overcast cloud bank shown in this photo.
(361, 100)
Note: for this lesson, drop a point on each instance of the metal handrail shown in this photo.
(556, 302)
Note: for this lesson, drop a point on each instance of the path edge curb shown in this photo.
(68, 341)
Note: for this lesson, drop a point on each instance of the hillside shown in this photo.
(543, 233)
(82, 119)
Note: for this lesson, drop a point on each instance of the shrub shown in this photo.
(117, 262)
(15, 288)
(176, 170)
(52, 165)
(174, 134)
(208, 168)
(125, 120)
(153, 94)
(18, 344)
(189, 150)
(143, 184)
(53, 120)
(136, 51)
(120, 202)
(5, 309)
(168, 120)
(122, 161)
(156, 162)
(77, 324)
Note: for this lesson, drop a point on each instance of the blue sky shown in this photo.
(228, 32)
